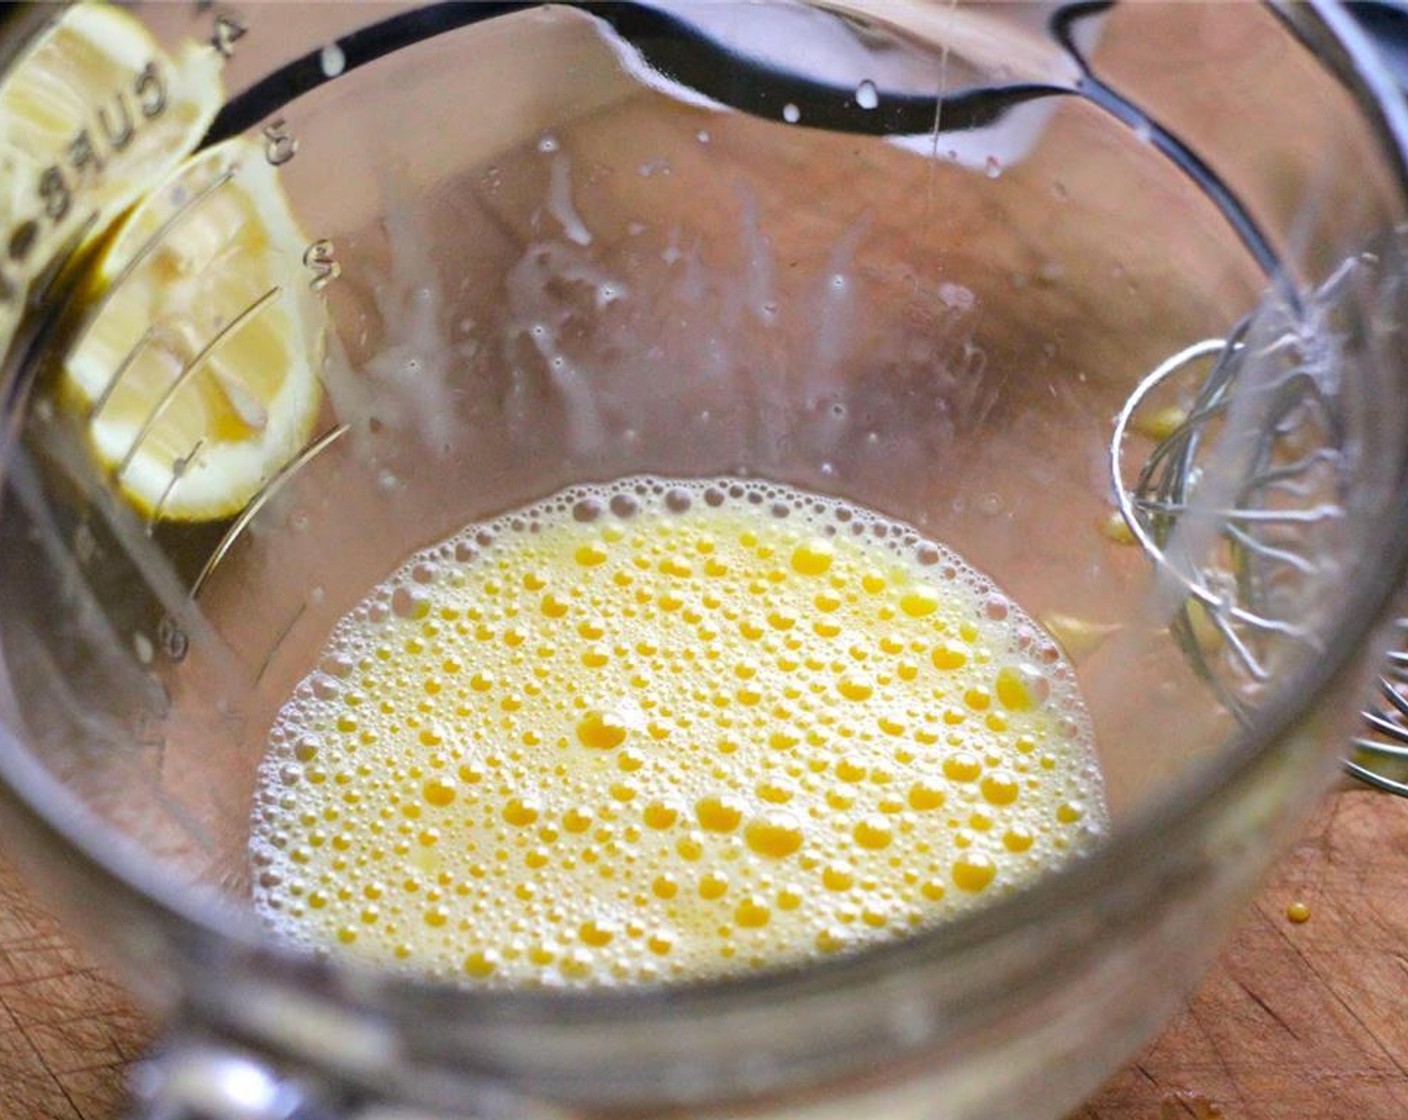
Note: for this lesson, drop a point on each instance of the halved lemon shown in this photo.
(91, 115)
(195, 370)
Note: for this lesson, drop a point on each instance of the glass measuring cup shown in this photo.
(1004, 285)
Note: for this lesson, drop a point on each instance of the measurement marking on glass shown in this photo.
(321, 260)
(151, 246)
(269, 489)
(178, 472)
(226, 33)
(127, 359)
(279, 641)
(279, 146)
(169, 393)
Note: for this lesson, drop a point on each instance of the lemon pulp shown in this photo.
(657, 730)
(195, 373)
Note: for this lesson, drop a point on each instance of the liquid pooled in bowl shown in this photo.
(657, 731)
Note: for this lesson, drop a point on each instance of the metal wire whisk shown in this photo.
(1272, 512)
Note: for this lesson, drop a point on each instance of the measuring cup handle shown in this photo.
(191, 1078)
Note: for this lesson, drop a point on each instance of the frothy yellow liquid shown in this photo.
(662, 731)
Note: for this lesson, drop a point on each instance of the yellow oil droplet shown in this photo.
(601, 730)
(854, 686)
(591, 629)
(1116, 530)
(712, 885)
(776, 834)
(1068, 813)
(1018, 839)
(553, 607)
(838, 877)
(977, 698)
(597, 933)
(1021, 688)
(660, 943)
(839, 799)
(873, 832)
(826, 601)
(1079, 637)
(720, 813)
(1000, 788)
(919, 602)
(876, 917)
(813, 558)
(689, 848)
(962, 766)
(577, 820)
(440, 791)
(1203, 628)
(926, 795)
(775, 792)
(594, 657)
(850, 770)
(481, 963)
(752, 913)
(1159, 424)
(665, 886)
(873, 582)
(782, 740)
(521, 811)
(949, 655)
(590, 555)
(973, 871)
(577, 964)
(1298, 912)
(832, 939)
(436, 916)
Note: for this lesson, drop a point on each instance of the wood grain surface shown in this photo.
(1295, 1022)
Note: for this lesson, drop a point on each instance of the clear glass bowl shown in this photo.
(559, 244)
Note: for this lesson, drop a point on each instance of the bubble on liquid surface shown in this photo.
(664, 729)
(791, 114)
(867, 96)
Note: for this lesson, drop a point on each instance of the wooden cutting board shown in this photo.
(1295, 1022)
